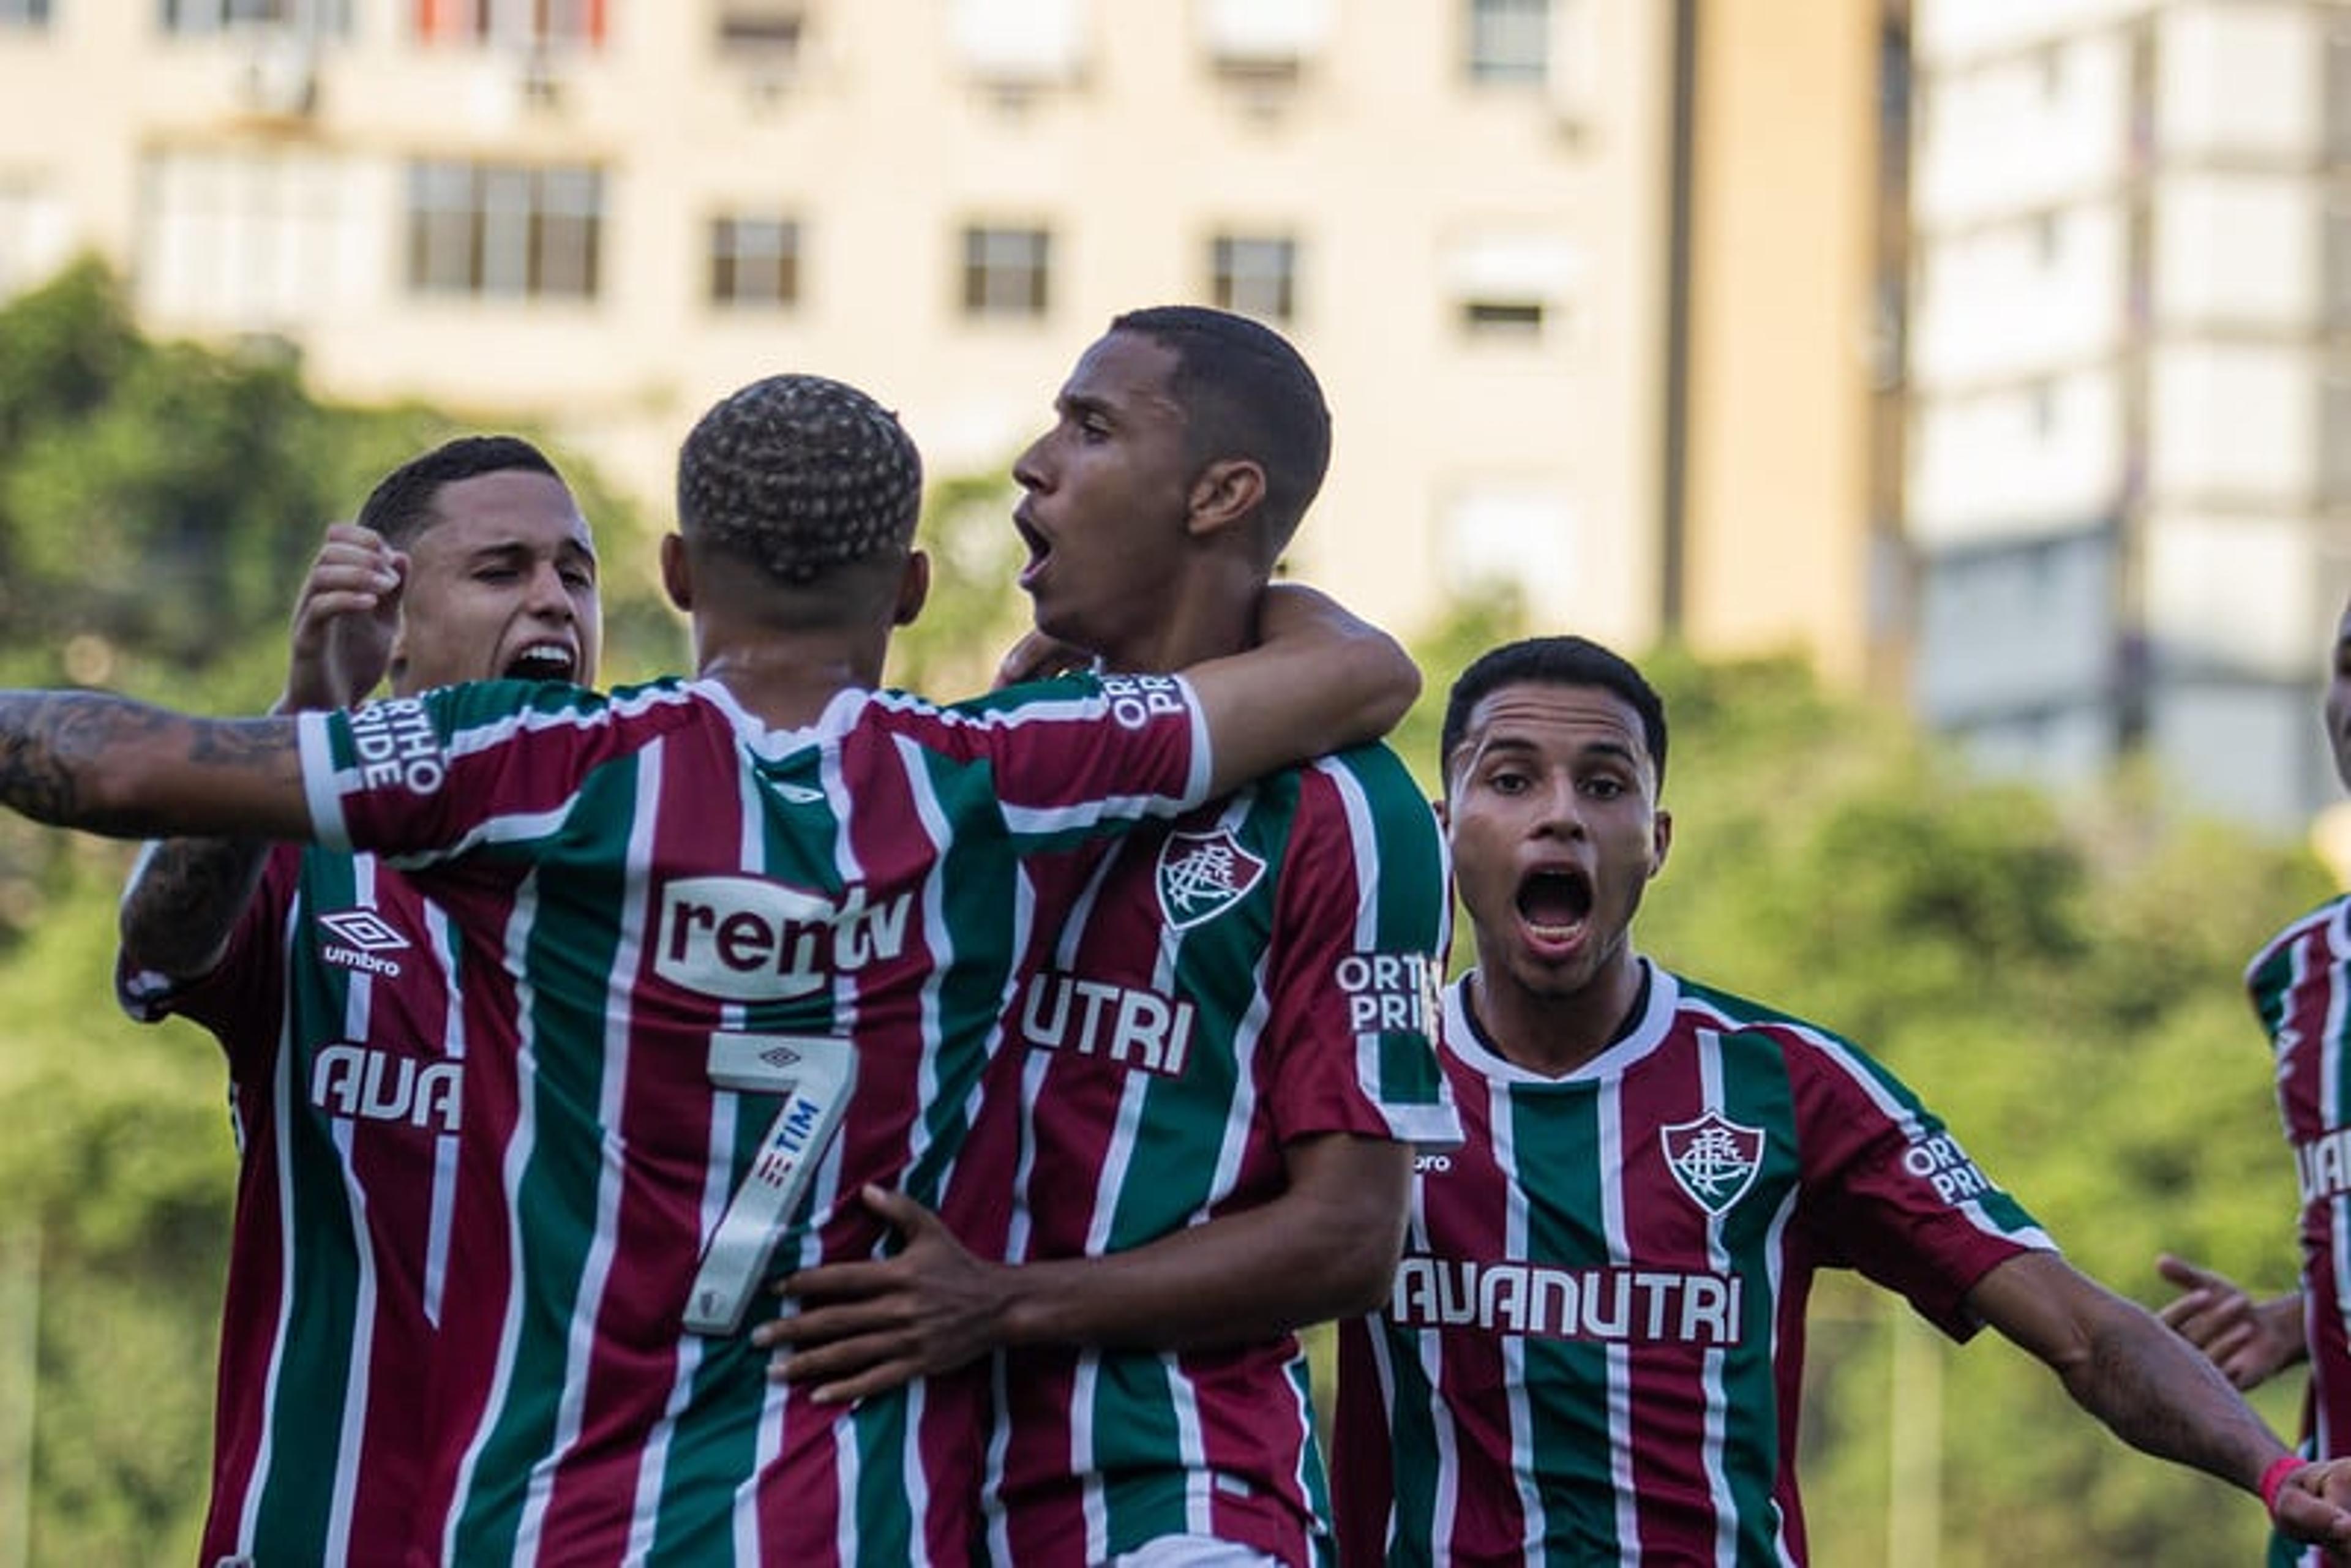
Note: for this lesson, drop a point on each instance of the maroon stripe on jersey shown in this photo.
(252, 1316)
(1471, 1205)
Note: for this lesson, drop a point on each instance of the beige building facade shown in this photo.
(600, 215)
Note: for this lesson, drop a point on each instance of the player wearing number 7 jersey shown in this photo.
(691, 882)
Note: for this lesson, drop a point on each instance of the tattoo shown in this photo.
(184, 900)
(48, 742)
(107, 765)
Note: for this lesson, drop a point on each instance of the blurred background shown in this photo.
(1950, 400)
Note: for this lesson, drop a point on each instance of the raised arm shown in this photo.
(1320, 680)
(186, 896)
(2156, 1391)
(129, 770)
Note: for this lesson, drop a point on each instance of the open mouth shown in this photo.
(542, 662)
(1556, 902)
(1041, 549)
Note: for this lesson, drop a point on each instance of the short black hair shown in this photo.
(400, 506)
(1552, 662)
(1245, 393)
(798, 475)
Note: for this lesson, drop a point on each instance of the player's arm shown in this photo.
(126, 769)
(1318, 680)
(2249, 1341)
(1326, 1247)
(186, 896)
(2155, 1390)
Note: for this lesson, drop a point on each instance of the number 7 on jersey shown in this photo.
(816, 1075)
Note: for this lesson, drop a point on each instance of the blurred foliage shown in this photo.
(2060, 981)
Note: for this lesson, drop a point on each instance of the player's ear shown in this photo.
(1661, 838)
(1225, 491)
(914, 588)
(676, 571)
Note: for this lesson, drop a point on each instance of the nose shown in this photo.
(1028, 469)
(1562, 812)
(550, 595)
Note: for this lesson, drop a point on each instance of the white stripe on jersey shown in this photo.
(358, 1003)
(440, 933)
(1608, 1111)
(2331, 1111)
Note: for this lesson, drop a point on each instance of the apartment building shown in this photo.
(605, 212)
(2129, 429)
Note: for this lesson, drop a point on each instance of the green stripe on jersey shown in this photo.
(1410, 916)
(1556, 1162)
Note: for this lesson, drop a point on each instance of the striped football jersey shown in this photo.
(686, 920)
(2300, 983)
(334, 1006)
(1592, 1350)
(1260, 970)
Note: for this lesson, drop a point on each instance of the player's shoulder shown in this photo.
(1726, 1012)
(2332, 916)
(1370, 784)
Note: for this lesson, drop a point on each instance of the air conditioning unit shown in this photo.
(279, 78)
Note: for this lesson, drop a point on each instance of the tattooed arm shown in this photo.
(107, 765)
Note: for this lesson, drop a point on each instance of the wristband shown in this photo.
(2273, 1479)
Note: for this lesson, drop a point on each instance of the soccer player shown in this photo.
(742, 942)
(1216, 1068)
(2300, 985)
(328, 980)
(1591, 1352)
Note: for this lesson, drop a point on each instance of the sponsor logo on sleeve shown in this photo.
(364, 938)
(1940, 1161)
(1389, 992)
(396, 746)
(1713, 1158)
(1201, 875)
(1136, 700)
(747, 939)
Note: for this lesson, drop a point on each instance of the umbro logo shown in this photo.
(366, 937)
(798, 794)
(364, 929)
(1201, 875)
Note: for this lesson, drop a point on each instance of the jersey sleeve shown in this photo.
(1890, 1191)
(424, 779)
(1362, 924)
(241, 999)
(1081, 755)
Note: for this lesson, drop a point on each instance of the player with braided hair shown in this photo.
(738, 946)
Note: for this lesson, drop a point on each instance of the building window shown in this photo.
(1510, 40)
(511, 231)
(2334, 439)
(1502, 317)
(252, 240)
(1020, 44)
(761, 32)
(1254, 276)
(755, 262)
(529, 23)
(23, 13)
(317, 18)
(1006, 272)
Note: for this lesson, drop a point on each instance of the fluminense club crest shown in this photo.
(1201, 875)
(1714, 1158)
